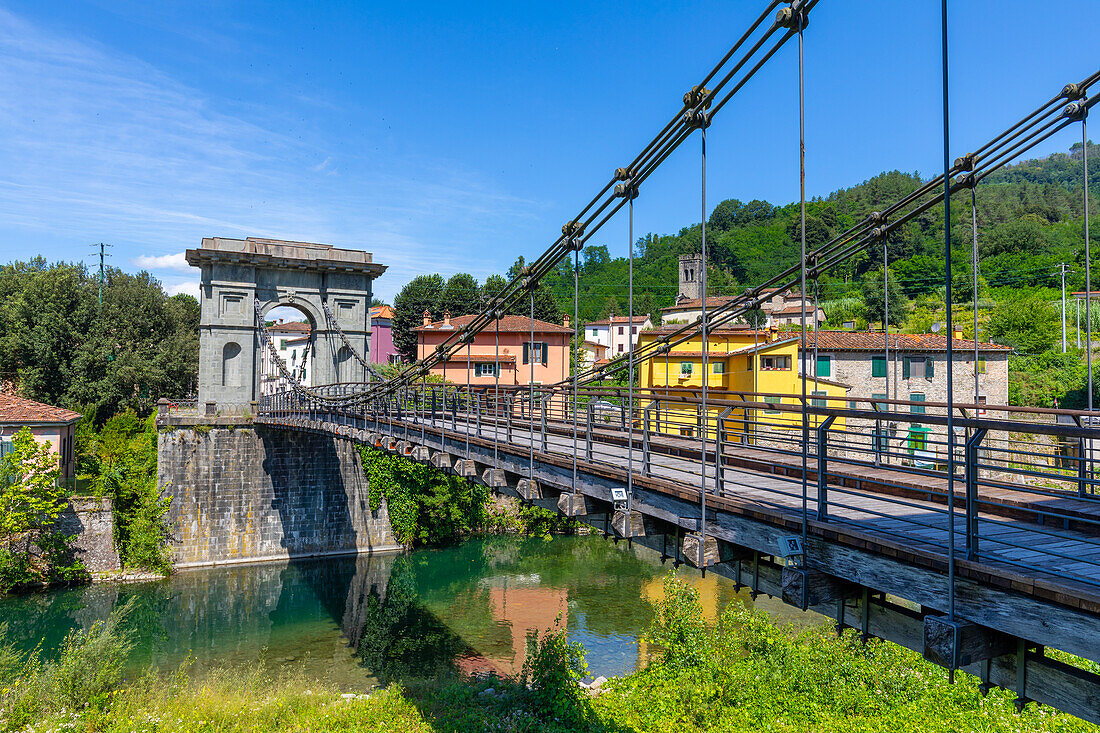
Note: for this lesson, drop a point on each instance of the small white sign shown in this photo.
(790, 545)
(618, 495)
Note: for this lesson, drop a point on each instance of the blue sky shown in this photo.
(452, 137)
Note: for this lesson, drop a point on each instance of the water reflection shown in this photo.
(464, 609)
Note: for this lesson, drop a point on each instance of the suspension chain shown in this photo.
(347, 344)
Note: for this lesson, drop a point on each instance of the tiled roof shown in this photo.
(871, 341)
(291, 327)
(794, 310)
(508, 324)
(21, 411)
(713, 301)
(613, 320)
(736, 329)
(381, 311)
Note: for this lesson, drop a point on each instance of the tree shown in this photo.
(875, 301)
(645, 304)
(423, 293)
(1029, 324)
(611, 308)
(491, 288)
(30, 496)
(461, 295)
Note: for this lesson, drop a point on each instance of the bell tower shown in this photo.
(691, 277)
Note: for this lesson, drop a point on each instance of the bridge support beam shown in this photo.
(805, 587)
(421, 453)
(629, 524)
(494, 478)
(441, 460)
(466, 467)
(573, 505)
(528, 489)
(955, 644)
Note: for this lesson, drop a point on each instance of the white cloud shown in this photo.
(176, 261)
(99, 146)
(186, 287)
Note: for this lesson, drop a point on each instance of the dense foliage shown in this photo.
(429, 507)
(61, 348)
(120, 461)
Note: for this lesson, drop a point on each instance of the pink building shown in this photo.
(51, 425)
(381, 336)
(550, 350)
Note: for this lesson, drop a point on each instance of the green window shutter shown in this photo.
(929, 370)
(526, 352)
(824, 366)
(916, 397)
(878, 366)
(905, 368)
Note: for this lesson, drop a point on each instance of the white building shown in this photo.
(616, 333)
(292, 342)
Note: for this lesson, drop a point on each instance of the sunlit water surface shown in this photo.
(353, 621)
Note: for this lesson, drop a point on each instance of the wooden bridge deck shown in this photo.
(906, 513)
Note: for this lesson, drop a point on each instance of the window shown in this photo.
(981, 366)
(719, 367)
(779, 401)
(595, 333)
(540, 352)
(824, 366)
(917, 367)
(878, 366)
(916, 397)
(685, 368)
(634, 330)
(818, 402)
(620, 348)
(395, 358)
(774, 363)
(485, 370)
(918, 439)
(620, 330)
(687, 432)
(282, 345)
(982, 401)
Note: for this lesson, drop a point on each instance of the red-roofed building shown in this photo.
(381, 336)
(54, 426)
(916, 365)
(550, 350)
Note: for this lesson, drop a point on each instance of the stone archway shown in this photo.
(238, 274)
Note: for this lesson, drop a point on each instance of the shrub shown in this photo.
(30, 496)
(553, 669)
(88, 669)
(679, 627)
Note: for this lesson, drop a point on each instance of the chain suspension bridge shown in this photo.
(982, 551)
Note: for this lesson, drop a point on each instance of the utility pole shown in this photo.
(1063, 269)
(102, 254)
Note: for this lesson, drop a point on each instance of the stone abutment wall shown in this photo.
(244, 494)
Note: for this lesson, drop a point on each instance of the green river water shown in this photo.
(354, 621)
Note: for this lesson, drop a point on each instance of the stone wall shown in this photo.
(241, 494)
(92, 520)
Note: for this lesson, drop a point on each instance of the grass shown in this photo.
(745, 674)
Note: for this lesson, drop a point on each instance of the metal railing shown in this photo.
(1027, 490)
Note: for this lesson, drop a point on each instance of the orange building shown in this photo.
(549, 350)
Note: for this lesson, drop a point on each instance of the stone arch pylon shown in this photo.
(238, 273)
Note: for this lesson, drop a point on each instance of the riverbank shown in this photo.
(745, 673)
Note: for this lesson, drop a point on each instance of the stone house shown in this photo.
(916, 370)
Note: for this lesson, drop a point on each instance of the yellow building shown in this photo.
(741, 362)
